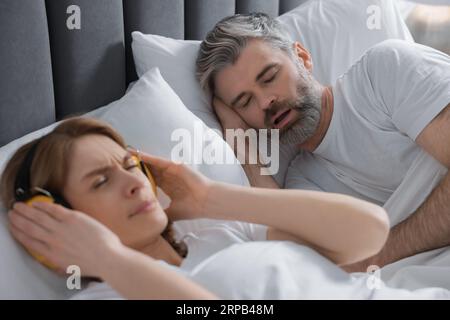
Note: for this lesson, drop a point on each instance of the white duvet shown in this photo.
(281, 270)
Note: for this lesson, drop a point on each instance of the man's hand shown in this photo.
(229, 119)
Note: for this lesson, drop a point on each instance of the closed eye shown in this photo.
(246, 102)
(131, 167)
(271, 78)
(105, 179)
(101, 182)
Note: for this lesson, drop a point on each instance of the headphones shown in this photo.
(24, 192)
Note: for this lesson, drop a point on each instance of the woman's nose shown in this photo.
(133, 184)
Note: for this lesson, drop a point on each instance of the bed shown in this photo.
(54, 65)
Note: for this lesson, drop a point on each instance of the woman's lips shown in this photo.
(146, 206)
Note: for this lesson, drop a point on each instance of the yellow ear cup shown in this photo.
(38, 257)
(147, 172)
(40, 198)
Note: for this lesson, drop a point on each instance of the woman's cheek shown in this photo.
(98, 205)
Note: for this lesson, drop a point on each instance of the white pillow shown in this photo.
(146, 117)
(326, 28)
(338, 32)
(176, 61)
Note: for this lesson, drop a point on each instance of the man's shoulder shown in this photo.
(381, 59)
(398, 52)
(391, 45)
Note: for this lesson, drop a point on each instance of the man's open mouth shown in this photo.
(282, 119)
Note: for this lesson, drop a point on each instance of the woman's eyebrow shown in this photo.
(105, 168)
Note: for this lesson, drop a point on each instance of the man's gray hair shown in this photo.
(225, 41)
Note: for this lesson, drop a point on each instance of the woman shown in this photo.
(116, 226)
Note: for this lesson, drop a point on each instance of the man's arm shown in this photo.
(428, 227)
(435, 137)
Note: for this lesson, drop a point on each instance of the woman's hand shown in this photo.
(186, 188)
(63, 237)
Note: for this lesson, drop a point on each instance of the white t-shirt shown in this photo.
(205, 243)
(381, 104)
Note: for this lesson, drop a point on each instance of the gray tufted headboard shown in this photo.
(48, 71)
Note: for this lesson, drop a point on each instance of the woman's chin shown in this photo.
(155, 220)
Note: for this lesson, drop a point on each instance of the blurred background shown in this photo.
(428, 21)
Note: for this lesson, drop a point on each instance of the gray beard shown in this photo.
(308, 106)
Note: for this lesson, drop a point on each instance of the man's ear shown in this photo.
(304, 55)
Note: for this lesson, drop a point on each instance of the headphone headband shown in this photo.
(22, 184)
(23, 191)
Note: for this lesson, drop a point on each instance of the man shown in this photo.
(357, 137)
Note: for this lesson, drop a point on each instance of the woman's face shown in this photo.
(106, 183)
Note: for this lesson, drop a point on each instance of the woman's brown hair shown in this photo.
(49, 167)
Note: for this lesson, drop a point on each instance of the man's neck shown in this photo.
(326, 113)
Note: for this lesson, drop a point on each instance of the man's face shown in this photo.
(270, 90)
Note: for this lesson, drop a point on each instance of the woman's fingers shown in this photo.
(158, 162)
(37, 247)
(53, 210)
(41, 218)
(28, 240)
(159, 167)
(28, 226)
